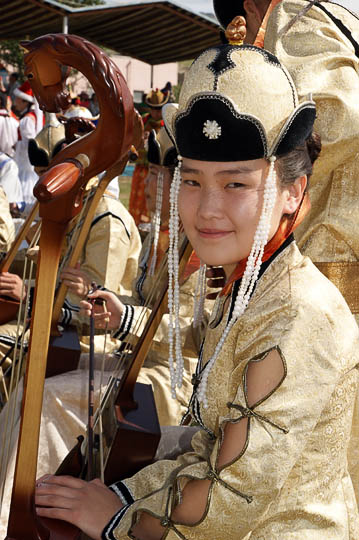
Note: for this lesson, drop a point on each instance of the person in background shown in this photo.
(12, 85)
(155, 100)
(31, 122)
(8, 128)
(167, 91)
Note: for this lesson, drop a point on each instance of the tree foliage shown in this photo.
(11, 53)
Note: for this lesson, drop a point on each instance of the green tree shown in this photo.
(11, 53)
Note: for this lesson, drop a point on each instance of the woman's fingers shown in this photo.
(87, 505)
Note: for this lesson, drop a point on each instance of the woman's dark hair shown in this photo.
(3, 100)
(299, 161)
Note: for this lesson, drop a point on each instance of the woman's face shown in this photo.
(151, 190)
(220, 205)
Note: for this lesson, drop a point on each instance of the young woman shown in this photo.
(278, 371)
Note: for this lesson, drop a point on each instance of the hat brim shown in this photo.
(160, 105)
(26, 97)
(226, 10)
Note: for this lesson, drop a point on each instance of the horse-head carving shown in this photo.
(47, 75)
(45, 63)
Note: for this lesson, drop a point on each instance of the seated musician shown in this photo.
(278, 372)
(113, 232)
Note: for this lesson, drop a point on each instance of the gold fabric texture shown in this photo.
(291, 481)
(322, 62)
(345, 277)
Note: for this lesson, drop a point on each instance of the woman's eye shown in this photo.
(235, 185)
(193, 183)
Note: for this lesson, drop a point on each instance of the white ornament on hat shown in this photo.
(212, 129)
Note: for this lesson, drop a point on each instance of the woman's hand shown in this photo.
(111, 316)
(78, 282)
(87, 505)
(11, 285)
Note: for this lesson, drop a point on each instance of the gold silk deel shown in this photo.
(322, 62)
(291, 481)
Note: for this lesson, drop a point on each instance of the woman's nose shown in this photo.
(211, 204)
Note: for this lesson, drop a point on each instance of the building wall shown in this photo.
(137, 75)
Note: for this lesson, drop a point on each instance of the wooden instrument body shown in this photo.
(59, 192)
(130, 438)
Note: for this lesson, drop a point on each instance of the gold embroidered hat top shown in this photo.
(238, 103)
(161, 150)
(156, 99)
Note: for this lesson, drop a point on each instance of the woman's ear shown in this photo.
(293, 194)
(252, 11)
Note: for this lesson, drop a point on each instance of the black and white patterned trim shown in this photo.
(122, 492)
(126, 323)
(108, 532)
(66, 313)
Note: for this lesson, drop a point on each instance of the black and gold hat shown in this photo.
(156, 99)
(161, 150)
(47, 142)
(226, 10)
(238, 103)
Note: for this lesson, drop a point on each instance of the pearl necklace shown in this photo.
(156, 222)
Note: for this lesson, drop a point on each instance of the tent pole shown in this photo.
(65, 24)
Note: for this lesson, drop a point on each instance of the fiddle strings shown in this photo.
(74, 231)
(18, 356)
(131, 341)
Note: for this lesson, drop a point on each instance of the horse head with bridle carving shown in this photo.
(46, 65)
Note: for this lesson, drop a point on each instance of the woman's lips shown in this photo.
(213, 234)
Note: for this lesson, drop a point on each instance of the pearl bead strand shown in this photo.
(157, 222)
(174, 333)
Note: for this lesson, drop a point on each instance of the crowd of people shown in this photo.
(256, 384)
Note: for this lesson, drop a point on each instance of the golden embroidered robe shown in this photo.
(323, 61)
(291, 480)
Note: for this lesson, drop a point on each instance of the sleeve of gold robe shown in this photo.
(110, 254)
(322, 62)
(279, 429)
